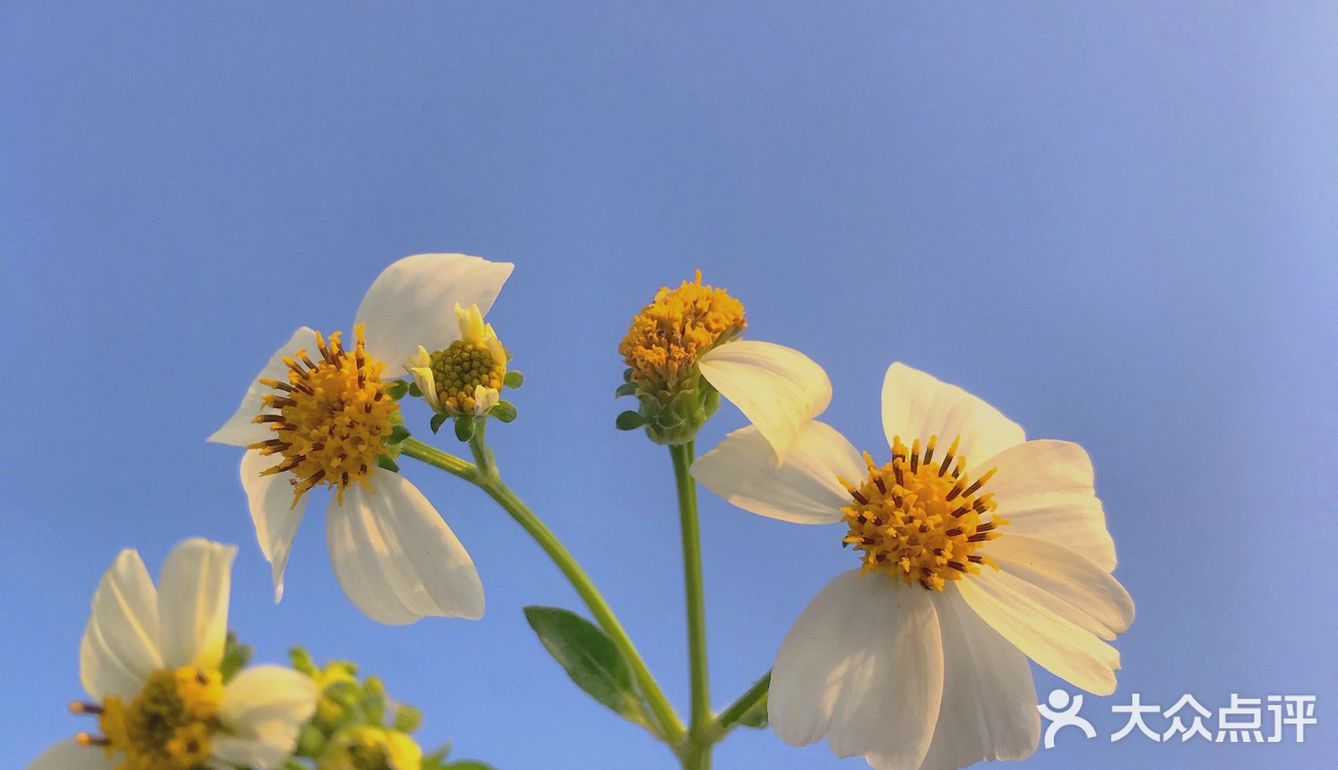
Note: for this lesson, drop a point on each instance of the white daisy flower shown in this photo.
(918, 658)
(150, 662)
(319, 414)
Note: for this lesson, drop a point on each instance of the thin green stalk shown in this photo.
(697, 751)
(671, 727)
(729, 718)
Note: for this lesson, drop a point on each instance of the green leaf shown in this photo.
(387, 462)
(513, 379)
(625, 389)
(464, 427)
(589, 657)
(630, 420)
(437, 420)
(505, 411)
(397, 389)
(235, 656)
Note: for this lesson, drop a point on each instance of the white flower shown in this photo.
(918, 659)
(328, 424)
(151, 657)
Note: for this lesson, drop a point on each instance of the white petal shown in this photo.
(413, 302)
(916, 405)
(1103, 604)
(120, 645)
(262, 710)
(239, 430)
(777, 388)
(1045, 489)
(1039, 628)
(70, 755)
(193, 603)
(804, 490)
(273, 512)
(395, 557)
(989, 699)
(863, 666)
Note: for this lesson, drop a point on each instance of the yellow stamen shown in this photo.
(668, 336)
(331, 418)
(169, 725)
(921, 521)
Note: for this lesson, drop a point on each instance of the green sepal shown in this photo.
(505, 411)
(398, 434)
(625, 389)
(437, 420)
(387, 462)
(513, 379)
(630, 420)
(407, 718)
(235, 656)
(397, 389)
(414, 390)
(627, 374)
(590, 658)
(464, 427)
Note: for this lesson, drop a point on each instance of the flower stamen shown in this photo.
(668, 336)
(920, 520)
(333, 416)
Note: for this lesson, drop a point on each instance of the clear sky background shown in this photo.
(1116, 224)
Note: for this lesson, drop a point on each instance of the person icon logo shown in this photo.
(1062, 712)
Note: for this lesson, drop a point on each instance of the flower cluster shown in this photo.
(976, 550)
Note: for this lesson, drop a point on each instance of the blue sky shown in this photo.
(1115, 223)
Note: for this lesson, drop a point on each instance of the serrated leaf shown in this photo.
(625, 389)
(464, 427)
(589, 657)
(513, 379)
(437, 420)
(630, 420)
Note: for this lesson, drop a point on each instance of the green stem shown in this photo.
(697, 752)
(671, 727)
(729, 718)
(453, 465)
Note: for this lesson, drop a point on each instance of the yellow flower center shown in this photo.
(458, 370)
(668, 335)
(168, 725)
(332, 416)
(920, 518)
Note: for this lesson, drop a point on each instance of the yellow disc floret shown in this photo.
(332, 416)
(168, 726)
(919, 518)
(466, 377)
(668, 336)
